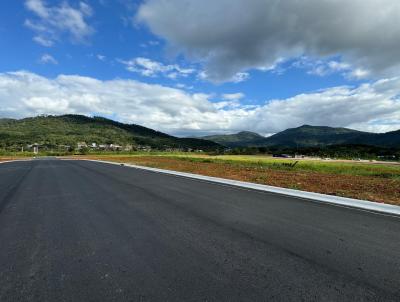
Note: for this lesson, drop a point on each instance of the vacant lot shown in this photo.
(375, 182)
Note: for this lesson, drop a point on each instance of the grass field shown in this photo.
(334, 167)
(370, 181)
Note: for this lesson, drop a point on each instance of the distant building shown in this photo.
(144, 148)
(81, 145)
(35, 148)
(128, 148)
(283, 155)
(115, 147)
(173, 150)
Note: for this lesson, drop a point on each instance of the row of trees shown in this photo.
(335, 151)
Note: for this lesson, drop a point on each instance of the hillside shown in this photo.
(311, 136)
(53, 131)
(238, 139)
(388, 139)
(314, 136)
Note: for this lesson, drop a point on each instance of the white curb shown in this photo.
(316, 197)
(13, 161)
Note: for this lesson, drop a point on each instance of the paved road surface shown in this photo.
(85, 231)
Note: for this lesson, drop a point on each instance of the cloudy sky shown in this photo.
(190, 67)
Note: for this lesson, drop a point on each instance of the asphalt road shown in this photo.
(85, 231)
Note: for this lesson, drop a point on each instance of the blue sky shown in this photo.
(217, 75)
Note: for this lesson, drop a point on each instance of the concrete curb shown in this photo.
(13, 161)
(316, 197)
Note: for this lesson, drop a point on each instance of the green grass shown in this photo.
(348, 168)
(389, 171)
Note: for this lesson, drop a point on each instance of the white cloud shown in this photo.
(184, 86)
(240, 77)
(101, 57)
(52, 22)
(321, 67)
(236, 78)
(235, 36)
(359, 73)
(233, 96)
(149, 44)
(327, 67)
(367, 107)
(150, 68)
(43, 41)
(373, 107)
(48, 59)
(227, 105)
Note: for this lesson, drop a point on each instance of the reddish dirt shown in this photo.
(360, 187)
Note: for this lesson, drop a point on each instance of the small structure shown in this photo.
(115, 147)
(128, 148)
(81, 145)
(35, 148)
(144, 148)
(283, 155)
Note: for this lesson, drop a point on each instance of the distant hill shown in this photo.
(310, 136)
(388, 139)
(53, 131)
(313, 136)
(238, 139)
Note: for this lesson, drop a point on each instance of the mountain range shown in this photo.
(309, 136)
(68, 130)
